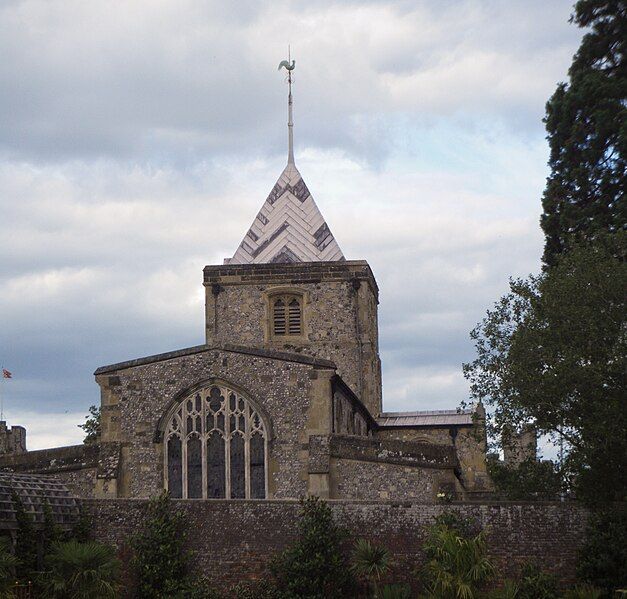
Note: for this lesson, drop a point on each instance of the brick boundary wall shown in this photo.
(232, 541)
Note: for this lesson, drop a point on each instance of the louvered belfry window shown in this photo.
(216, 447)
(287, 315)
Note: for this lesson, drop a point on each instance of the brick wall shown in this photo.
(232, 541)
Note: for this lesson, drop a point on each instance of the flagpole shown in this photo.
(2, 396)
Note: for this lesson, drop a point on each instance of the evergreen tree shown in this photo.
(26, 542)
(586, 122)
(315, 566)
(160, 561)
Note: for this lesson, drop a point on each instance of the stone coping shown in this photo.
(197, 349)
(376, 502)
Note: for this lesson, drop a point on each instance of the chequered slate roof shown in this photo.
(288, 228)
(427, 418)
(35, 491)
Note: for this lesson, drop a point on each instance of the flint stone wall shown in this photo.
(136, 396)
(232, 541)
(340, 315)
(76, 466)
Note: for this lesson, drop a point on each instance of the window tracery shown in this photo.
(216, 447)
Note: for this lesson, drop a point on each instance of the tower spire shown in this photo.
(289, 65)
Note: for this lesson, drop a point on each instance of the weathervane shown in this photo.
(289, 67)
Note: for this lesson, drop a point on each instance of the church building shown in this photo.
(283, 398)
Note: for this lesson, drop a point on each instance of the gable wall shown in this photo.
(293, 395)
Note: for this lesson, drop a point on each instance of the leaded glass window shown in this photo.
(216, 446)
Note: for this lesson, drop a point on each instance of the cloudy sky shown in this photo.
(138, 139)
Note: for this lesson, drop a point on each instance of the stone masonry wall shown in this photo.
(135, 397)
(87, 470)
(340, 315)
(232, 541)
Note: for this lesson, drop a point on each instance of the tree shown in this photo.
(370, 562)
(531, 479)
(160, 561)
(586, 122)
(26, 541)
(81, 571)
(92, 425)
(552, 354)
(457, 565)
(315, 568)
(603, 555)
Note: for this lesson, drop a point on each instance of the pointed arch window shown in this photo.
(216, 446)
(287, 315)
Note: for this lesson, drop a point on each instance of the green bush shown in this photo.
(8, 563)
(159, 560)
(584, 592)
(533, 583)
(370, 563)
(26, 541)
(457, 566)
(603, 556)
(315, 567)
(395, 591)
(81, 571)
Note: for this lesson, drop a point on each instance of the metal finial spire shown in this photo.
(289, 67)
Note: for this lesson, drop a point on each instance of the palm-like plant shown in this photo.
(81, 571)
(8, 562)
(457, 566)
(370, 562)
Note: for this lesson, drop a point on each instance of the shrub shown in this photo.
(370, 562)
(81, 571)
(536, 584)
(395, 591)
(457, 566)
(584, 592)
(159, 561)
(603, 556)
(315, 568)
(8, 563)
(26, 541)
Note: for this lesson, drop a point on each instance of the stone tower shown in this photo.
(12, 440)
(288, 287)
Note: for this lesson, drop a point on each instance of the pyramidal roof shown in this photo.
(289, 226)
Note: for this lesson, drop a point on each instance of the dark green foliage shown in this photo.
(535, 584)
(92, 425)
(264, 589)
(81, 571)
(603, 556)
(8, 564)
(394, 591)
(26, 543)
(528, 480)
(553, 353)
(586, 122)
(370, 563)
(315, 567)
(463, 527)
(456, 566)
(81, 531)
(51, 532)
(159, 560)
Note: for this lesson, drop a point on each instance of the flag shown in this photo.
(6, 374)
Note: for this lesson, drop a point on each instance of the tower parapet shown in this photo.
(12, 440)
